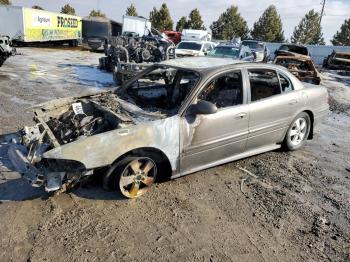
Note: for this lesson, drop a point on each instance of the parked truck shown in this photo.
(97, 30)
(136, 26)
(195, 35)
(27, 25)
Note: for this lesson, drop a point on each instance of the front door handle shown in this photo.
(241, 115)
(293, 102)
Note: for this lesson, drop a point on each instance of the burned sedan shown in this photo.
(301, 66)
(213, 111)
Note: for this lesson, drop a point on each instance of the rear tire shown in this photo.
(298, 132)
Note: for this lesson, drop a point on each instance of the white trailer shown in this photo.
(195, 35)
(136, 25)
(31, 25)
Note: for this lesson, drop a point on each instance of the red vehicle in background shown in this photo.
(173, 36)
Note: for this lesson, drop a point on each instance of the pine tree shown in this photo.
(37, 7)
(181, 24)
(229, 25)
(161, 18)
(131, 10)
(269, 26)
(97, 13)
(309, 30)
(68, 10)
(195, 20)
(154, 18)
(5, 2)
(165, 21)
(342, 37)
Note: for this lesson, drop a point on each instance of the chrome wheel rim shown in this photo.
(137, 177)
(298, 131)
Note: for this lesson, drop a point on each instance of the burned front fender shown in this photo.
(103, 149)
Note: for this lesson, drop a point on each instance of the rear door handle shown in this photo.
(241, 115)
(293, 102)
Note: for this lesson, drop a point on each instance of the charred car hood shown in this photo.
(69, 119)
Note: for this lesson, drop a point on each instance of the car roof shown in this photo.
(203, 63)
(195, 41)
(295, 57)
(228, 45)
(298, 45)
(199, 62)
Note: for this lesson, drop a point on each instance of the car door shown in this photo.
(273, 105)
(209, 139)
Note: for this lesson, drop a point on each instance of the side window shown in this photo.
(286, 84)
(1, 41)
(225, 90)
(263, 84)
(208, 47)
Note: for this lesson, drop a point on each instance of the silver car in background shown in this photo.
(262, 53)
(213, 111)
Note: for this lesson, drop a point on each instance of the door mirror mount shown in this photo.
(203, 108)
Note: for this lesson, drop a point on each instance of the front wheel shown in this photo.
(132, 177)
(298, 132)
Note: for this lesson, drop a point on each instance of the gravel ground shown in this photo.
(296, 209)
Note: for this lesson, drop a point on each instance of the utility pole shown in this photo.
(322, 11)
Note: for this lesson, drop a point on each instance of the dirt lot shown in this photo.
(297, 209)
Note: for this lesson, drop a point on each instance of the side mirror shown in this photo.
(202, 108)
(254, 54)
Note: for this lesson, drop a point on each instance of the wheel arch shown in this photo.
(312, 119)
(163, 160)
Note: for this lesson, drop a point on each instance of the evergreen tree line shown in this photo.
(231, 24)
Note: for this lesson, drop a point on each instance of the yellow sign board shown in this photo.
(47, 26)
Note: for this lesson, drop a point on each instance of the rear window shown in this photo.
(189, 45)
(264, 83)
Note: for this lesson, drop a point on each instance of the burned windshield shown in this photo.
(160, 89)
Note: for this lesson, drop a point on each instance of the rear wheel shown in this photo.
(132, 176)
(298, 132)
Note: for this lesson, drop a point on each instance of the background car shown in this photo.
(301, 66)
(173, 36)
(193, 48)
(290, 49)
(259, 48)
(232, 51)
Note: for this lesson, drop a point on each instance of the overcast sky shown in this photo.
(291, 11)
